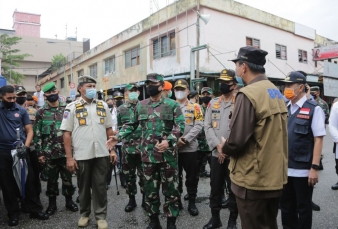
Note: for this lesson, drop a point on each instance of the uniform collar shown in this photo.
(155, 104)
(15, 107)
(300, 102)
(82, 101)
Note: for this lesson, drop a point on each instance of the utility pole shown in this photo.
(198, 43)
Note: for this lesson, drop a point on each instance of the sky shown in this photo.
(101, 19)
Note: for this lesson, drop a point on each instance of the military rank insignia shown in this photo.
(82, 121)
(214, 124)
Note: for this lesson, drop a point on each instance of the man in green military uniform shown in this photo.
(131, 155)
(315, 92)
(49, 145)
(162, 123)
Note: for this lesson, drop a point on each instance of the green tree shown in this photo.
(58, 61)
(10, 57)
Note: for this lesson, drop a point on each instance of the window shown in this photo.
(80, 73)
(62, 83)
(164, 46)
(132, 57)
(109, 65)
(93, 71)
(281, 52)
(302, 56)
(253, 42)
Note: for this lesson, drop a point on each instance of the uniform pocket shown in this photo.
(301, 126)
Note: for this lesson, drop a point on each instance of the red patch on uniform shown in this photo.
(303, 116)
(16, 115)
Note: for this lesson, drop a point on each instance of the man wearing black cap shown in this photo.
(257, 143)
(305, 142)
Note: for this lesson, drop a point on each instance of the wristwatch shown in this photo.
(315, 167)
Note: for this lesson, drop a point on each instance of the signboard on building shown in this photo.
(330, 69)
(304, 31)
(330, 87)
(326, 52)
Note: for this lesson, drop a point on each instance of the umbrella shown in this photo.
(20, 172)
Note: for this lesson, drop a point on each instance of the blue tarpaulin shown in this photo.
(3, 81)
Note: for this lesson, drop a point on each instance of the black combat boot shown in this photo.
(214, 222)
(171, 223)
(232, 224)
(51, 209)
(315, 207)
(154, 222)
(70, 205)
(131, 204)
(335, 186)
(192, 207)
(225, 201)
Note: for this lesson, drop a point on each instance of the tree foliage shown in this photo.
(58, 61)
(10, 57)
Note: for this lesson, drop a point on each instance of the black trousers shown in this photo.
(204, 157)
(37, 168)
(219, 175)
(10, 189)
(188, 162)
(296, 204)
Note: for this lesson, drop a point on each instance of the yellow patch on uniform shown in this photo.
(104, 114)
(102, 120)
(100, 106)
(188, 115)
(82, 121)
(85, 114)
(98, 113)
(214, 124)
(78, 105)
(99, 103)
(216, 105)
(188, 120)
(78, 115)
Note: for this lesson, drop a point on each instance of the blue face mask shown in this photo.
(133, 96)
(239, 81)
(170, 94)
(90, 93)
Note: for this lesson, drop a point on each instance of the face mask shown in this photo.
(90, 93)
(225, 89)
(133, 96)
(170, 94)
(21, 100)
(314, 96)
(119, 103)
(206, 99)
(8, 105)
(153, 90)
(180, 95)
(290, 93)
(110, 105)
(239, 80)
(52, 98)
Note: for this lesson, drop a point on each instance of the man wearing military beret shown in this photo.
(187, 144)
(49, 146)
(257, 143)
(315, 92)
(216, 124)
(162, 123)
(131, 154)
(85, 123)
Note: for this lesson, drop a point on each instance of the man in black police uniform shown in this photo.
(306, 130)
(13, 116)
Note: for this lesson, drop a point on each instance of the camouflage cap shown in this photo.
(130, 86)
(227, 75)
(86, 79)
(207, 89)
(181, 84)
(314, 88)
(117, 95)
(20, 90)
(154, 77)
(49, 87)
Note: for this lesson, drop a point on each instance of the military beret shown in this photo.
(20, 90)
(181, 84)
(207, 89)
(154, 77)
(117, 94)
(295, 77)
(86, 79)
(49, 87)
(227, 75)
(251, 55)
(130, 86)
(314, 88)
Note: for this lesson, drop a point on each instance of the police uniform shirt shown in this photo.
(333, 125)
(318, 129)
(88, 129)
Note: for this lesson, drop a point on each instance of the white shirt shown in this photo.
(333, 125)
(317, 127)
(41, 99)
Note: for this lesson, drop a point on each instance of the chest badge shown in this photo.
(214, 124)
(216, 106)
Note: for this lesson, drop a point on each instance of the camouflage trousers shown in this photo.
(53, 168)
(131, 163)
(155, 174)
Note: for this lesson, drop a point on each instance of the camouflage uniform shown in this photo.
(131, 155)
(162, 119)
(48, 142)
(325, 108)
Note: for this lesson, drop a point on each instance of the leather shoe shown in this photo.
(186, 197)
(315, 207)
(51, 209)
(131, 204)
(192, 209)
(72, 207)
(225, 202)
(335, 186)
(13, 220)
(213, 223)
(38, 215)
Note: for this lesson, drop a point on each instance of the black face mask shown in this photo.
(225, 89)
(110, 105)
(206, 99)
(153, 90)
(21, 100)
(8, 105)
(314, 96)
(52, 98)
(119, 103)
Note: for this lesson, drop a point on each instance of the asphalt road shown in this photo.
(326, 218)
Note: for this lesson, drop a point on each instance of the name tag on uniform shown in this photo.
(303, 116)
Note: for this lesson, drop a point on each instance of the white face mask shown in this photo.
(180, 95)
